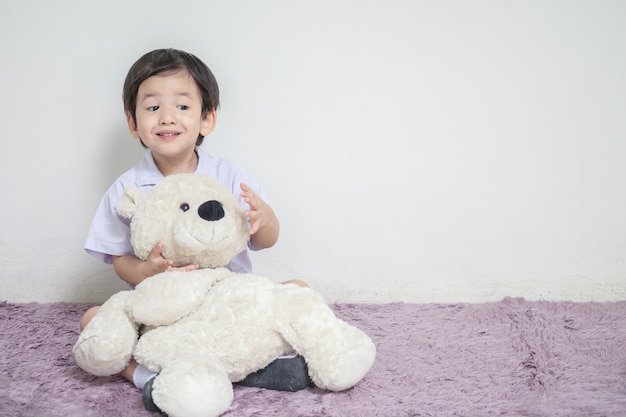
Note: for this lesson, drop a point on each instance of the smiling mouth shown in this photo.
(168, 135)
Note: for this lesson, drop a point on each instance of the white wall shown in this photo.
(415, 151)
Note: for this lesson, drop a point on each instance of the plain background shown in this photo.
(418, 151)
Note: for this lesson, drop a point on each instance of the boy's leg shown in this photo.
(89, 314)
(143, 378)
(146, 397)
(286, 373)
(297, 282)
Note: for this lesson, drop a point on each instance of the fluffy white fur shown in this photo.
(203, 330)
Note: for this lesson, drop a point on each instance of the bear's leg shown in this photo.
(338, 355)
(106, 344)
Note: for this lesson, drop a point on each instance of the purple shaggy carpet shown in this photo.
(510, 358)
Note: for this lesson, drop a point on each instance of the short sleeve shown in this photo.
(109, 233)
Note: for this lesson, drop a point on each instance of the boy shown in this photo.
(170, 100)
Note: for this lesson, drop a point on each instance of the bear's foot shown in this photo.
(102, 357)
(284, 374)
(190, 390)
(106, 344)
(350, 369)
(341, 369)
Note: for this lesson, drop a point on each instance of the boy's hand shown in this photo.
(156, 262)
(259, 212)
(264, 225)
(134, 270)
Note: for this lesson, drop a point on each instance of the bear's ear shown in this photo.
(127, 205)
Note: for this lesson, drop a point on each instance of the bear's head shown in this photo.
(196, 218)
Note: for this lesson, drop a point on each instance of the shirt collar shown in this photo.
(148, 174)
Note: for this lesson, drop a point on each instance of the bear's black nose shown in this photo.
(211, 210)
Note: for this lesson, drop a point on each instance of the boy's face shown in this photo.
(169, 115)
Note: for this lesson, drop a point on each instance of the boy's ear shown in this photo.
(208, 123)
(129, 201)
(132, 126)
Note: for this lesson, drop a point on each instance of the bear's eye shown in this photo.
(184, 207)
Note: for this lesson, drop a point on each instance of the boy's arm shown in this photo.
(266, 235)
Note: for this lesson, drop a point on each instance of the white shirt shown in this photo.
(109, 233)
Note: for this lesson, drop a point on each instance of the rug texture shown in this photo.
(510, 358)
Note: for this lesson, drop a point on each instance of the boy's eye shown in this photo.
(183, 107)
(153, 108)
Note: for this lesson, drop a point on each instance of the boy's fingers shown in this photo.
(156, 250)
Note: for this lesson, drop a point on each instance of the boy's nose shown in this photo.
(166, 117)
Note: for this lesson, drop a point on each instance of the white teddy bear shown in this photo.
(211, 327)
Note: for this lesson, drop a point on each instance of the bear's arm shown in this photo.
(167, 297)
